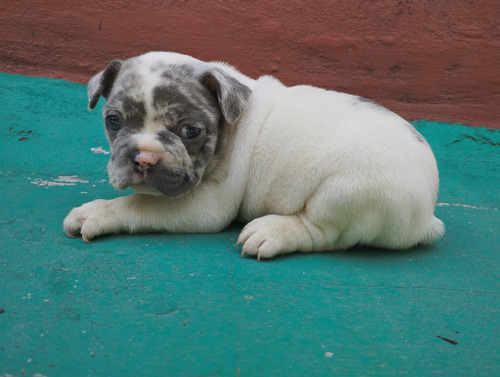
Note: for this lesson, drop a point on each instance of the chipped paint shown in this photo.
(62, 180)
(99, 150)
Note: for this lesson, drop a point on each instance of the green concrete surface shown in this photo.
(190, 305)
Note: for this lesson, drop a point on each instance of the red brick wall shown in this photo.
(429, 59)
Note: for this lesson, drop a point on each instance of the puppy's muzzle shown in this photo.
(143, 160)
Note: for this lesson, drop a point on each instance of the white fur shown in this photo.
(309, 169)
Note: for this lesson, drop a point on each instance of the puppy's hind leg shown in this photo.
(271, 235)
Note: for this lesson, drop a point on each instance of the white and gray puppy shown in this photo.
(308, 169)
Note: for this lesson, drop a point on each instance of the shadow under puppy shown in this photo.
(309, 170)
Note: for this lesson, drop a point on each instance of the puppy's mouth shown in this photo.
(152, 171)
(159, 179)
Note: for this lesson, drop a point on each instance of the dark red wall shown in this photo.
(429, 59)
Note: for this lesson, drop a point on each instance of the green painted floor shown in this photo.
(179, 305)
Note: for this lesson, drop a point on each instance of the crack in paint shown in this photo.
(463, 205)
(454, 342)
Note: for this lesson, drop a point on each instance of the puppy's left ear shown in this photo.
(231, 94)
(101, 84)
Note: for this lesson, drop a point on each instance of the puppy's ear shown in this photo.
(231, 94)
(101, 84)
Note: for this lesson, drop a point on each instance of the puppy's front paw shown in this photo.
(89, 220)
(266, 237)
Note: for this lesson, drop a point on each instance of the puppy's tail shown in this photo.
(435, 232)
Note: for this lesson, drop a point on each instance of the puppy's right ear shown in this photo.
(231, 94)
(101, 84)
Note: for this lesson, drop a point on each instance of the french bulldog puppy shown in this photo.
(307, 169)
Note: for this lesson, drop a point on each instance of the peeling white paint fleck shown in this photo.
(99, 150)
(70, 179)
(62, 180)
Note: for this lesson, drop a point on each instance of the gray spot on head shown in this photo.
(158, 66)
(133, 108)
(129, 81)
(177, 72)
(168, 95)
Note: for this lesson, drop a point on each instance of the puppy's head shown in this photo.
(167, 117)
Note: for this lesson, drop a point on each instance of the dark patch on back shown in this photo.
(378, 107)
(415, 133)
(371, 103)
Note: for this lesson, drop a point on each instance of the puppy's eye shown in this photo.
(113, 122)
(190, 132)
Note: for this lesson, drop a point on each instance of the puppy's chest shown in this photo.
(270, 195)
(278, 182)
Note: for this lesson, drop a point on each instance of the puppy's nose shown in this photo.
(144, 160)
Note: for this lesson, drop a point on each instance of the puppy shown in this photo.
(308, 169)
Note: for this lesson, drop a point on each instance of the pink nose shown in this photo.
(147, 159)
